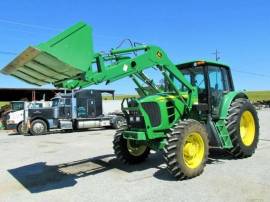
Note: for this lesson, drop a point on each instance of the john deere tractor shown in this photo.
(196, 108)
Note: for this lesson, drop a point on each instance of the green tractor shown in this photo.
(196, 109)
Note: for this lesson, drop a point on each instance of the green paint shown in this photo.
(223, 134)
(134, 135)
(157, 145)
(227, 100)
(62, 46)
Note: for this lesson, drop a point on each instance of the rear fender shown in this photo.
(227, 100)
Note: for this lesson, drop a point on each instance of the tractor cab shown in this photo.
(213, 80)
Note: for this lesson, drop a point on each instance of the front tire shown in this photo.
(38, 127)
(243, 128)
(118, 122)
(186, 151)
(129, 151)
(19, 128)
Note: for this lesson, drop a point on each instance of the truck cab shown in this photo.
(16, 115)
(17, 105)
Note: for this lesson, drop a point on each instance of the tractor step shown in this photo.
(223, 134)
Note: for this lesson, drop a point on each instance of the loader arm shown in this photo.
(121, 67)
(152, 56)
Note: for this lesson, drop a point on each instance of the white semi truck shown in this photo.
(15, 118)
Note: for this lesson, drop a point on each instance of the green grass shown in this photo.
(117, 97)
(256, 96)
(3, 104)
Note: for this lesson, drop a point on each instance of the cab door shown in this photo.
(218, 85)
(65, 108)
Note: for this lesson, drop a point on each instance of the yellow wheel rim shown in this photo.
(247, 128)
(193, 150)
(134, 149)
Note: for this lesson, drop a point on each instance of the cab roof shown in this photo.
(195, 63)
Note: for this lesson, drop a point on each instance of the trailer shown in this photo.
(71, 111)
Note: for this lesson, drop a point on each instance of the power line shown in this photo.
(217, 57)
(48, 28)
(24, 31)
(28, 25)
(8, 53)
(251, 73)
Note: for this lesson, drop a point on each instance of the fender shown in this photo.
(227, 100)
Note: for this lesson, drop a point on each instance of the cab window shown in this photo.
(218, 85)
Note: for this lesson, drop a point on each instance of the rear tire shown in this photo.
(243, 128)
(186, 151)
(129, 151)
(38, 127)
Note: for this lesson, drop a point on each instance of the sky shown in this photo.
(187, 30)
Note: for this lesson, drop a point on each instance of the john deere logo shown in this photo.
(159, 54)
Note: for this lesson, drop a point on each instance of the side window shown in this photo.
(215, 78)
(199, 80)
(218, 83)
(227, 86)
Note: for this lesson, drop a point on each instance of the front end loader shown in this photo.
(197, 107)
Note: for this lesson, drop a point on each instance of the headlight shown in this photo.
(138, 119)
(131, 119)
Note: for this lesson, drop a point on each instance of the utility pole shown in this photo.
(216, 53)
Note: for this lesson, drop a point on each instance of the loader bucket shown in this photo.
(64, 56)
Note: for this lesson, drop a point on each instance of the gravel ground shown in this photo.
(81, 166)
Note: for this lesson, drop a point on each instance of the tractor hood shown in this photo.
(64, 56)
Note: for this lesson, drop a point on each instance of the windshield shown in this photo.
(55, 102)
(195, 76)
(16, 106)
(179, 85)
(58, 102)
